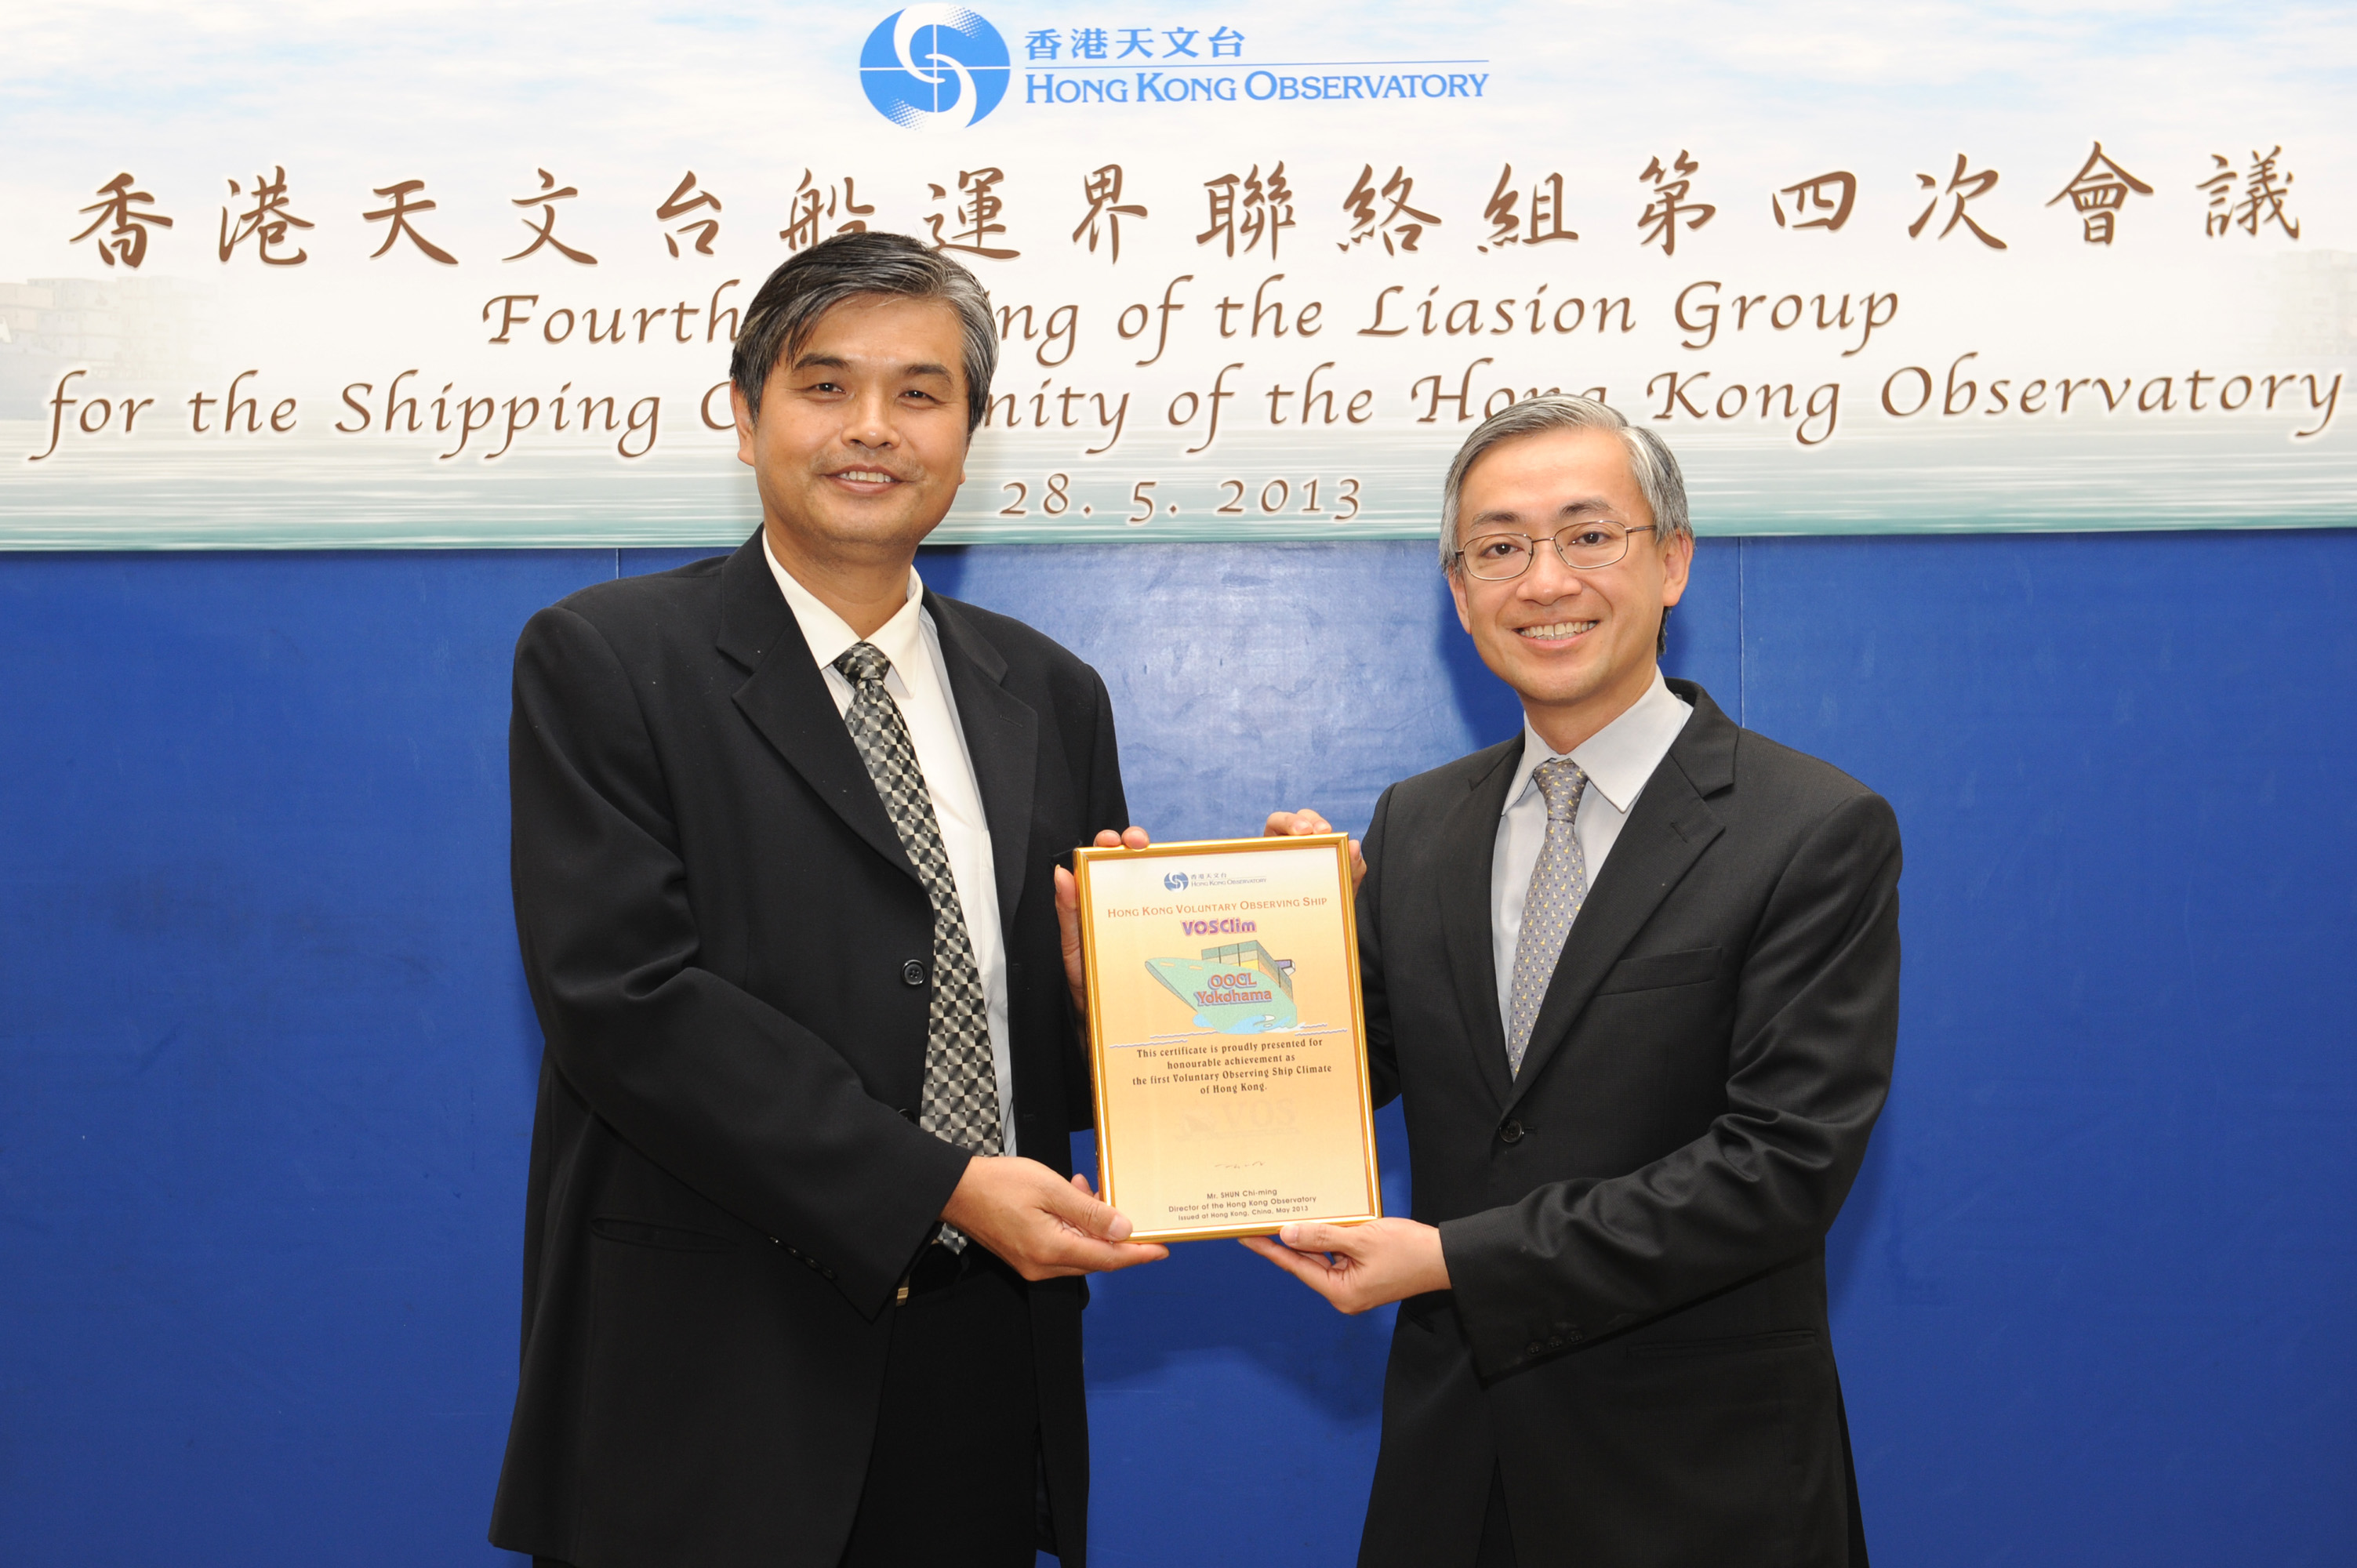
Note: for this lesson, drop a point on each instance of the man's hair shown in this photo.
(851, 266)
(1658, 479)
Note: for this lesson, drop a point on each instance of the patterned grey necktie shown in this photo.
(959, 1100)
(1559, 887)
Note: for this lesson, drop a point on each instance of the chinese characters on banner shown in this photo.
(1118, 44)
(1247, 213)
(1275, 326)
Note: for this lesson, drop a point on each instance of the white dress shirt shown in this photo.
(1617, 759)
(920, 684)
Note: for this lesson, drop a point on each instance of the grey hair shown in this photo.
(847, 266)
(1658, 479)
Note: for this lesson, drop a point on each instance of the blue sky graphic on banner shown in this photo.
(446, 274)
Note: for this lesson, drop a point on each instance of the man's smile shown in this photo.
(875, 477)
(1556, 631)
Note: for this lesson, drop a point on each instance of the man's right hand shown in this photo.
(1041, 1227)
(1068, 917)
(1289, 825)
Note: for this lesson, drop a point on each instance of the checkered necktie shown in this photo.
(1559, 887)
(960, 1101)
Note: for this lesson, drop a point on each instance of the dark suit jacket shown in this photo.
(728, 950)
(1635, 1224)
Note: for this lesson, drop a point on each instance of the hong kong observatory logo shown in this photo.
(1175, 882)
(934, 67)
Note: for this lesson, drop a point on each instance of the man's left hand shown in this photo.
(1359, 1266)
(1067, 915)
(1040, 1227)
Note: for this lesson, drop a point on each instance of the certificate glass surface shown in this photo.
(1226, 1035)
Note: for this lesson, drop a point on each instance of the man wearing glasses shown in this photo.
(1635, 973)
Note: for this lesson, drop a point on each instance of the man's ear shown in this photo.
(743, 412)
(1456, 576)
(1677, 564)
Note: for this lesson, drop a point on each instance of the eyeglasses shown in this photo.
(1583, 547)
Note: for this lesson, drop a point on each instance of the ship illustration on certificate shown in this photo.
(1238, 988)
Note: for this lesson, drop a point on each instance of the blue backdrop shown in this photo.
(267, 1061)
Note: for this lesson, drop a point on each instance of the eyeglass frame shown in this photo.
(1555, 538)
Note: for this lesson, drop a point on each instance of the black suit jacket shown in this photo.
(727, 952)
(1635, 1224)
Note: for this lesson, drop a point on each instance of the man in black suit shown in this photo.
(1635, 973)
(802, 1259)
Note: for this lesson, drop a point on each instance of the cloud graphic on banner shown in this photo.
(934, 68)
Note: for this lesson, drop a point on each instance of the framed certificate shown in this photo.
(1226, 1035)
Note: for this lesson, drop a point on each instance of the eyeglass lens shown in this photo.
(1583, 545)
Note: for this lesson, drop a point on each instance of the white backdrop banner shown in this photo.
(440, 274)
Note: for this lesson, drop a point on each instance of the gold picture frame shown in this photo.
(1227, 1037)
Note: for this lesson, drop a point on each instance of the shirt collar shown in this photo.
(1620, 757)
(829, 633)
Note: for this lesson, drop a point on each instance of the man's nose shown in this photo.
(1548, 578)
(871, 423)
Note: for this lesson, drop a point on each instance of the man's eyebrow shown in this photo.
(1568, 508)
(837, 362)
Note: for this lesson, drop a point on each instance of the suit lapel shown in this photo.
(1002, 738)
(1667, 833)
(1468, 844)
(787, 700)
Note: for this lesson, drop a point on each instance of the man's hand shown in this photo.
(1068, 918)
(1287, 824)
(1359, 1266)
(1023, 1211)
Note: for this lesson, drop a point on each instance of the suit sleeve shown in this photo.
(1108, 807)
(729, 1095)
(1383, 1055)
(1816, 1023)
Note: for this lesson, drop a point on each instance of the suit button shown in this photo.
(1512, 1133)
(913, 972)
